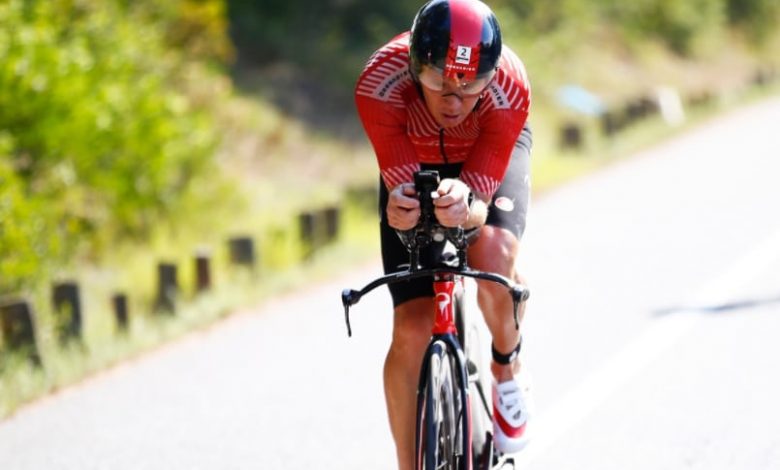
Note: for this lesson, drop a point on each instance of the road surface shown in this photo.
(652, 334)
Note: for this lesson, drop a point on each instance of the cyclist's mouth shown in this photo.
(450, 118)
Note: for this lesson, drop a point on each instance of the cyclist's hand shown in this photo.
(452, 206)
(403, 208)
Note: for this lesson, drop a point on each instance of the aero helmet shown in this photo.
(460, 39)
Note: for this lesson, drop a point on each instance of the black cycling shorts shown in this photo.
(507, 210)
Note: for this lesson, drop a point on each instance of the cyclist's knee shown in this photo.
(494, 251)
(412, 323)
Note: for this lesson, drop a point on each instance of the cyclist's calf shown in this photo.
(496, 251)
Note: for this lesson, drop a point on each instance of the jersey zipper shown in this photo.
(441, 146)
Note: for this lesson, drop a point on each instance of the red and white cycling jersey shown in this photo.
(404, 133)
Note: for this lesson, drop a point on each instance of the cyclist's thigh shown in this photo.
(510, 202)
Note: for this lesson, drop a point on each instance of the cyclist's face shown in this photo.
(449, 101)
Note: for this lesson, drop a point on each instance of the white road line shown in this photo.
(665, 332)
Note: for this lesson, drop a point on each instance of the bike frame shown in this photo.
(444, 330)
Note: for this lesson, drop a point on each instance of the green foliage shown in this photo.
(675, 22)
(196, 27)
(333, 37)
(758, 18)
(100, 139)
(28, 240)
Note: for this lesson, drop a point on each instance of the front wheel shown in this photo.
(440, 413)
(479, 382)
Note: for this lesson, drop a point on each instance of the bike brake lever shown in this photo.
(519, 295)
(349, 297)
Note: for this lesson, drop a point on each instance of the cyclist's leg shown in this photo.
(412, 323)
(496, 251)
(411, 331)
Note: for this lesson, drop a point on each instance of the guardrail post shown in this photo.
(633, 111)
(242, 251)
(202, 271)
(332, 217)
(610, 123)
(67, 307)
(571, 136)
(121, 313)
(16, 321)
(761, 77)
(308, 232)
(167, 287)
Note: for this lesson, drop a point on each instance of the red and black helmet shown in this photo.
(460, 38)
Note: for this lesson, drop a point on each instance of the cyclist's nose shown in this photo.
(452, 101)
(450, 89)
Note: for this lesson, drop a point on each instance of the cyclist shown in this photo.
(448, 96)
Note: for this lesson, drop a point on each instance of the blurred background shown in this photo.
(163, 163)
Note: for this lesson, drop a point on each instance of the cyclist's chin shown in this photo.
(449, 120)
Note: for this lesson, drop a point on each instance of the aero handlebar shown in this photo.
(426, 232)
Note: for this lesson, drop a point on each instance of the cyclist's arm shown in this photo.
(485, 168)
(385, 126)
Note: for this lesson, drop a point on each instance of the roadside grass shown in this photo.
(552, 166)
(104, 346)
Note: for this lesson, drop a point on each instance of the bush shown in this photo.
(196, 27)
(28, 242)
(758, 18)
(100, 139)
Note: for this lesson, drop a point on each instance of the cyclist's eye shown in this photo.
(471, 88)
(432, 79)
(475, 87)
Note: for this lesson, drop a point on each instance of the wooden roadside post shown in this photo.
(121, 312)
(167, 288)
(571, 136)
(242, 251)
(67, 306)
(332, 216)
(18, 328)
(308, 224)
(202, 271)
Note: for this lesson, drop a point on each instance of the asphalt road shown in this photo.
(651, 333)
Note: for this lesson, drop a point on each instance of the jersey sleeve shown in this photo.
(484, 170)
(385, 126)
(379, 97)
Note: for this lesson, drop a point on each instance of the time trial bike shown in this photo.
(450, 432)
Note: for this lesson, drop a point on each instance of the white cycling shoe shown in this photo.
(512, 409)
